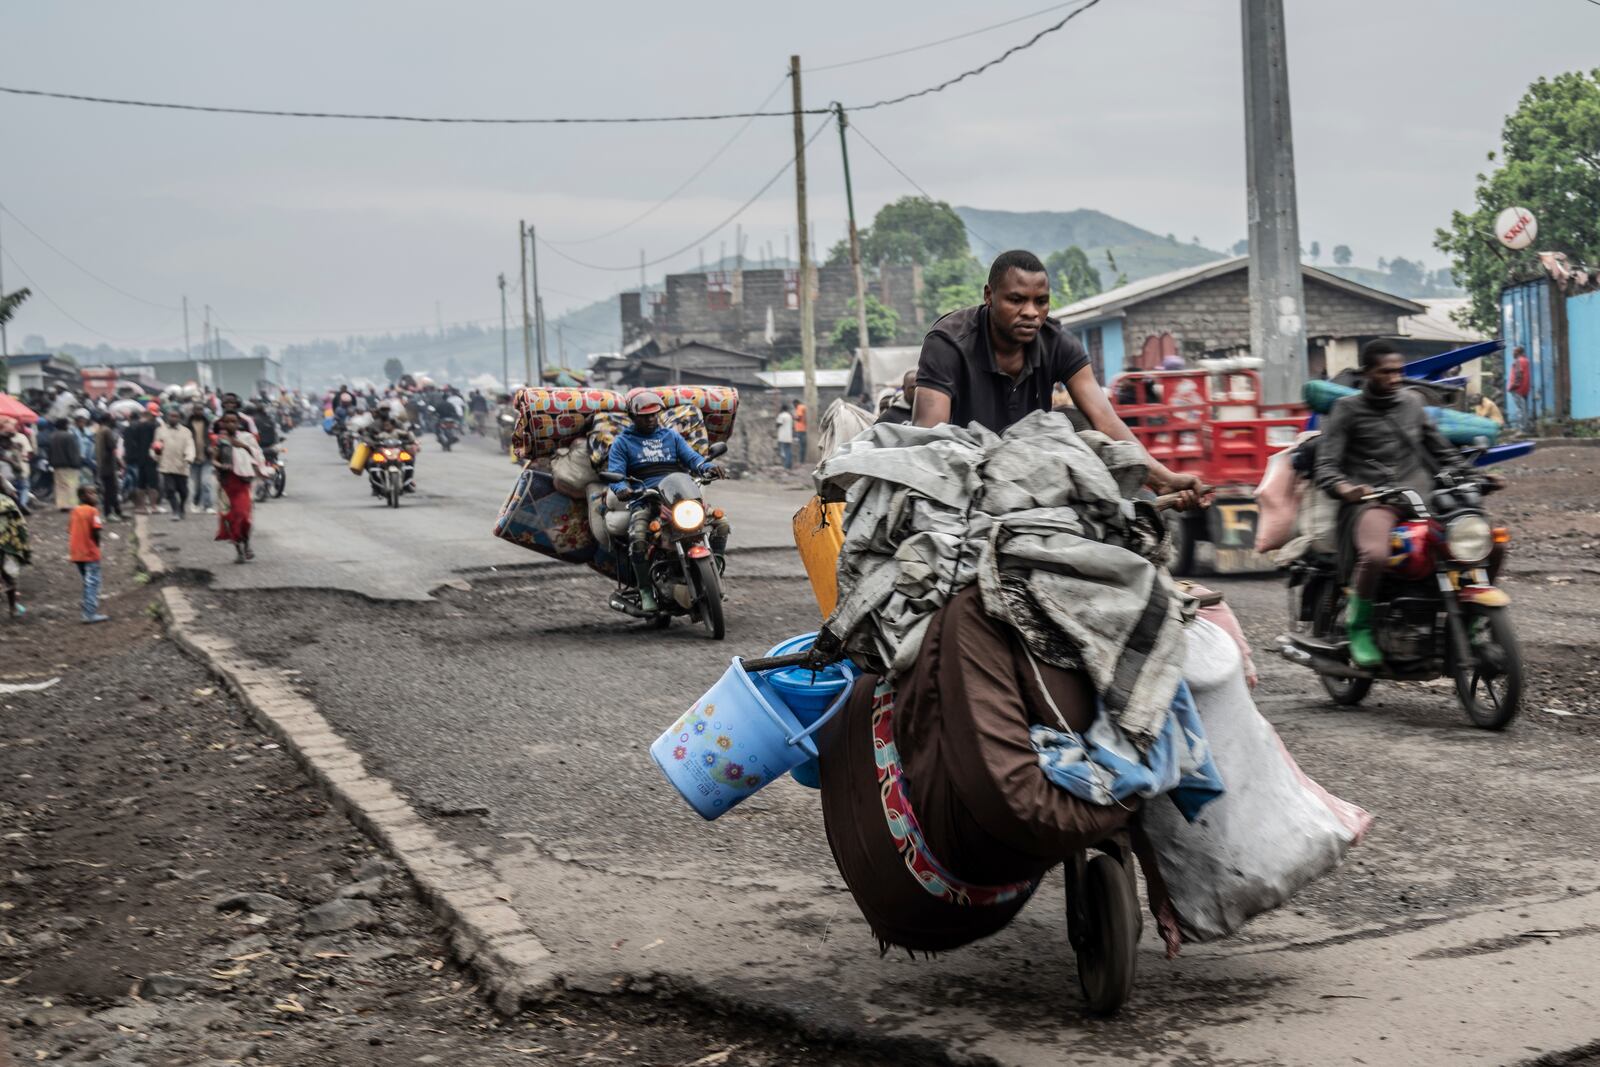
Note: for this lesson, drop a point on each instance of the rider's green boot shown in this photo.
(1364, 652)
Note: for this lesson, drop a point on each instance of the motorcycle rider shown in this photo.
(385, 427)
(1381, 436)
(653, 450)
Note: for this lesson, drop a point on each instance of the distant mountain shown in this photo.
(1138, 252)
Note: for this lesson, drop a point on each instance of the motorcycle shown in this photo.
(1436, 614)
(390, 470)
(686, 575)
(347, 443)
(447, 429)
(272, 483)
(507, 424)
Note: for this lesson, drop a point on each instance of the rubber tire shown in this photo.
(708, 590)
(346, 449)
(1109, 958)
(1346, 692)
(280, 482)
(1492, 717)
(392, 494)
(261, 489)
(1182, 531)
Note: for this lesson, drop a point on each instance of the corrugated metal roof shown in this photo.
(796, 379)
(1436, 324)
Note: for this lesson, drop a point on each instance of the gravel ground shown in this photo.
(174, 892)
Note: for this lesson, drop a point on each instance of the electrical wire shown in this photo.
(948, 40)
(573, 121)
(86, 270)
(652, 209)
(35, 287)
(371, 117)
(759, 193)
(855, 129)
(975, 71)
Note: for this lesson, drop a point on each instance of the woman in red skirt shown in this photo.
(238, 461)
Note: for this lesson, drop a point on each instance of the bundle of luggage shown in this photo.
(564, 436)
(548, 419)
(1033, 678)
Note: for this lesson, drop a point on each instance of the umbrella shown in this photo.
(10, 405)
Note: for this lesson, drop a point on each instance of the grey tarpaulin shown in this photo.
(1039, 518)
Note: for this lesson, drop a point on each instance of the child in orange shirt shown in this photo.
(83, 548)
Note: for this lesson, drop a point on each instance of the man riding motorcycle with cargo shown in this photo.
(646, 452)
(385, 427)
(1382, 436)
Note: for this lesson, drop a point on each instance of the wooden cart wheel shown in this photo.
(1108, 951)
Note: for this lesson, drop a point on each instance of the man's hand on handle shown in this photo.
(1191, 494)
(1354, 494)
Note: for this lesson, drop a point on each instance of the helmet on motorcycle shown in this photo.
(645, 402)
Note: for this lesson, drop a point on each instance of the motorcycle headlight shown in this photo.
(1469, 538)
(691, 515)
(406, 456)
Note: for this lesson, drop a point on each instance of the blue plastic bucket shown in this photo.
(808, 694)
(734, 740)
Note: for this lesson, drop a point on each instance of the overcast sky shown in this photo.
(291, 227)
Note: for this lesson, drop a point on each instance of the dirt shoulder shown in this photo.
(174, 891)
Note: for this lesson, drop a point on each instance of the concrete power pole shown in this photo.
(538, 304)
(5, 345)
(527, 323)
(186, 353)
(808, 331)
(505, 342)
(205, 335)
(862, 338)
(1277, 296)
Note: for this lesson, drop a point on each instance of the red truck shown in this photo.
(1210, 421)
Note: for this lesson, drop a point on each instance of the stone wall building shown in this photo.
(759, 310)
(1205, 311)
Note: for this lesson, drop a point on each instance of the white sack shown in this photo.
(1273, 832)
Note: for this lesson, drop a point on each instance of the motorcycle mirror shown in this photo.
(718, 449)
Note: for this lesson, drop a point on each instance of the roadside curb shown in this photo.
(486, 933)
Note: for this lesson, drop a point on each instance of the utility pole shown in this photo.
(561, 343)
(206, 339)
(808, 331)
(5, 345)
(538, 303)
(527, 324)
(855, 241)
(186, 352)
(505, 343)
(1277, 296)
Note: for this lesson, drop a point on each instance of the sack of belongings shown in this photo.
(1273, 832)
(572, 471)
(539, 517)
(1314, 515)
(1277, 500)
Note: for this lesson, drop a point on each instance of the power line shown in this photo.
(856, 129)
(975, 71)
(370, 117)
(349, 330)
(948, 40)
(573, 121)
(759, 193)
(652, 209)
(33, 285)
(86, 270)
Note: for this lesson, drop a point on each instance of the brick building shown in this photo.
(1205, 311)
(759, 310)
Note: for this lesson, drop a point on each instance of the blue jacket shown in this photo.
(632, 450)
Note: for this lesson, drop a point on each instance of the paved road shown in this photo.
(329, 532)
(1462, 931)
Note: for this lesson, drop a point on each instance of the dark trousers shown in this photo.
(110, 492)
(175, 491)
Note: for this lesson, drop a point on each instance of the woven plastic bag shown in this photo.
(1272, 833)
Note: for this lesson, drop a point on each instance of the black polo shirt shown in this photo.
(958, 361)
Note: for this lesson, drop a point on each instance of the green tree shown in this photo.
(952, 283)
(1316, 251)
(882, 325)
(1072, 276)
(1408, 276)
(393, 369)
(9, 302)
(1241, 246)
(1549, 163)
(1341, 255)
(913, 229)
